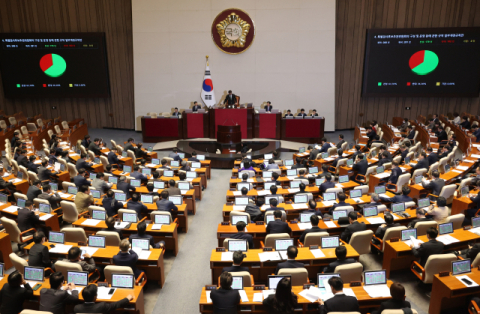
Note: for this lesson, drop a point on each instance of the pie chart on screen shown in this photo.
(53, 65)
(423, 62)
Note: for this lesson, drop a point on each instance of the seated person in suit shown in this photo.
(247, 166)
(324, 171)
(108, 169)
(389, 223)
(43, 172)
(475, 133)
(302, 113)
(301, 174)
(38, 255)
(141, 229)
(399, 198)
(314, 113)
(174, 154)
(80, 179)
(95, 147)
(383, 159)
(194, 157)
(89, 295)
(288, 114)
(312, 208)
(175, 113)
(275, 177)
(238, 257)
(137, 174)
(86, 141)
(112, 157)
(328, 184)
(268, 107)
(404, 125)
(340, 302)
(403, 151)
(358, 151)
(110, 204)
(276, 155)
(53, 198)
(422, 162)
(298, 163)
(273, 204)
(82, 163)
(100, 184)
(230, 100)
(225, 299)
(150, 189)
(283, 300)
(420, 217)
(166, 205)
(441, 134)
(185, 166)
(34, 190)
(314, 221)
(272, 165)
(196, 106)
(436, 184)
(340, 156)
(353, 227)
(137, 205)
(471, 252)
(32, 166)
(13, 294)
(164, 165)
(110, 222)
(341, 254)
(292, 253)
(360, 165)
(55, 298)
(396, 172)
(277, 225)
(428, 248)
(444, 152)
(410, 132)
(383, 150)
(439, 211)
(28, 218)
(242, 235)
(140, 154)
(325, 145)
(470, 212)
(371, 133)
(127, 257)
(341, 202)
(75, 256)
(155, 176)
(465, 123)
(397, 302)
(340, 141)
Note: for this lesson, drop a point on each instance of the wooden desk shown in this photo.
(153, 266)
(261, 270)
(303, 130)
(5, 249)
(360, 134)
(169, 233)
(389, 134)
(51, 223)
(364, 300)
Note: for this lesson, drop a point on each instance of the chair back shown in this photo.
(111, 237)
(112, 269)
(66, 184)
(370, 170)
(23, 170)
(247, 278)
(336, 190)
(419, 172)
(432, 168)
(50, 133)
(284, 214)
(104, 160)
(3, 124)
(34, 312)
(18, 195)
(423, 226)
(381, 208)
(38, 201)
(387, 165)
(93, 207)
(125, 211)
(350, 272)
(24, 130)
(393, 232)
(160, 212)
(65, 125)
(447, 192)
(464, 182)
(225, 243)
(332, 151)
(72, 170)
(70, 212)
(237, 213)
(12, 120)
(299, 275)
(75, 234)
(364, 188)
(360, 241)
(436, 264)
(131, 155)
(403, 179)
(347, 208)
(250, 173)
(32, 176)
(314, 238)
(65, 267)
(456, 220)
(12, 229)
(476, 261)
(270, 238)
(18, 262)
(58, 130)
(397, 159)
(411, 204)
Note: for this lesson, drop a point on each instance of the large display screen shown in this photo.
(54, 65)
(422, 62)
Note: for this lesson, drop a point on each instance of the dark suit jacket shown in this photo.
(126, 188)
(100, 307)
(339, 204)
(38, 256)
(196, 108)
(339, 144)
(166, 205)
(145, 236)
(232, 269)
(411, 135)
(81, 163)
(278, 226)
(26, 219)
(421, 164)
(325, 148)
(139, 176)
(127, 259)
(230, 99)
(11, 299)
(380, 233)
(397, 199)
(269, 303)
(289, 264)
(396, 172)
(361, 167)
(54, 300)
(112, 158)
(44, 173)
(22, 161)
(225, 301)
(268, 108)
(94, 148)
(33, 192)
(111, 208)
(86, 143)
(472, 253)
(314, 152)
(392, 305)
(301, 114)
(432, 158)
(426, 249)
(436, 185)
(442, 136)
(79, 181)
(137, 206)
(244, 236)
(331, 267)
(340, 303)
(326, 185)
(54, 199)
(464, 124)
(313, 229)
(383, 161)
(352, 228)
(288, 115)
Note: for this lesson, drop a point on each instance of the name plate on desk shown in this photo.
(260, 223)
(394, 239)
(210, 287)
(225, 223)
(355, 283)
(293, 221)
(102, 284)
(444, 274)
(267, 249)
(258, 287)
(220, 249)
(313, 247)
(308, 285)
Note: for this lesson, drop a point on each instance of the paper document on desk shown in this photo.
(266, 293)
(183, 192)
(291, 177)
(227, 256)
(462, 167)
(377, 291)
(243, 295)
(468, 160)
(45, 217)
(447, 239)
(317, 253)
(293, 190)
(304, 225)
(73, 155)
(330, 224)
(60, 248)
(475, 231)
(475, 156)
(207, 293)
(156, 227)
(457, 171)
(89, 250)
(473, 283)
(299, 206)
(250, 180)
(383, 195)
(312, 294)
(102, 293)
(416, 242)
(395, 217)
(65, 195)
(150, 165)
(144, 254)
(349, 292)
(328, 203)
(383, 175)
(358, 200)
(263, 192)
(268, 256)
(258, 297)
(6, 174)
(121, 225)
(339, 185)
(11, 209)
(375, 220)
(328, 159)
(283, 254)
(239, 208)
(237, 193)
(15, 180)
(403, 169)
(91, 222)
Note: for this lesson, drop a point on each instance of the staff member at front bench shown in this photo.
(230, 100)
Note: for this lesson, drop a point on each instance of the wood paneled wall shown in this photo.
(354, 17)
(114, 17)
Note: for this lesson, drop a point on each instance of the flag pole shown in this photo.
(207, 60)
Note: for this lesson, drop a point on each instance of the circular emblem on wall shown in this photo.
(233, 31)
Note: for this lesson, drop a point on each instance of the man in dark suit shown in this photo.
(353, 227)
(325, 145)
(125, 186)
(196, 106)
(86, 141)
(80, 179)
(341, 253)
(136, 205)
(428, 248)
(292, 253)
(302, 113)
(22, 159)
(82, 163)
(268, 107)
(313, 152)
(141, 234)
(410, 132)
(110, 223)
(422, 162)
(396, 172)
(441, 134)
(340, 156)
(15, 141)
(383, 159)
(371, 133)
(53, 198)
(432, 157)
(277, 225)
(32, 166)
(27, 218)
(436, 184)
(314, 221)
(137, 174)
(43, 172)
(55, 298)
(471, 252)
(12, 294)
(420, 217)
(298, 163)
(470, 212)
(389, 223)
(403, 151)
(238, 257)
(95, 147)
(34, 190)
(89, 295)
(465, 123)
(127, 257)
(314, 113)
(175, 113)
(230, 99)
(164, 204)
(328, 184)
(172, 189)
(399, 198)
(397, 291)
(288, 114)
(341, 202)
(445, 151)
(340, 302)
(129, 145)
(242, 235)
(194, 157)
(358, 151)
(360, 165)
(225, 300)
(110, 204)
(38, 255)
(112, 157)
(312, 208)
(340, 141)
(273, 202)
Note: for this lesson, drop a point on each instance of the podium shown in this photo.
(229, 134)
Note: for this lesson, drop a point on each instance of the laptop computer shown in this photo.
(241, 201)
(273, 281)
(168, 173)
(305, 217)
(95, 193)
(161, 219)
(267, 174)
(322, 278)
(2, 269)
(330, 196)
(196, 165)
(343, 179)
(330, 242)
(461, 267)
(135, 183)
(191, 174)
(283, 244)
(237, 218)
(201, 157)
(123, 281)
(445, 228)
(127, 217)
(300, 199)
(301, 150)
(380, 169)
(237, 245)
(181, 155)
(143, 244)
(176, 199)
(147, 199)
(475, 222)
(184, 186)
(269, 218)
(349, 162)
(237, 283)
(72, 190)
(44, 208)
(122, 197)
(127, 169)
(99, 214)
(355, 193)
(337, 214)
(155, 161)
(267, 185)
(113, 180)
(319, 181)
(313, 170)
(267, 156)
(380, 189)
(174, 163)
(146, 171)
(418, 179)
(288, 162)
(21, 202)
(375, 277)
(407, 233)
(32, 273)
(423, 202)
(370, 211)
(93, 175)
(295, 184)
(56, 237)
(398, 208)
(291, 172)
(54, 186)
(79, 278)
(96, 241)
(159, 185)
(242, 185)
